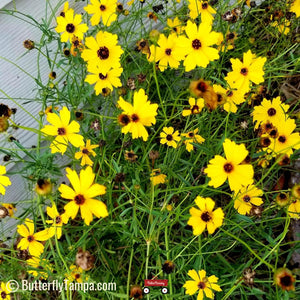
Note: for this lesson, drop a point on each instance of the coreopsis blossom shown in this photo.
(57, 220)
(175, 25)
(196, 107)
(69, 25)
(104, 50)
(295, 191)
(295, 7)
(170, 137)
(246, 71)
(65, 9)
(273, 111)
(85, 153)
(202, 284)
(4, 180)
(10, 208)
(284, 278)
(282, 26)
(157, 177)
(294, 209)
(108, 79)
(76, 46)
(5, 291)
(205, 216)
(43, 187)
(200, 7)
(76, 273)
(191, 138)
(142, 113)
(102, 9)
(82, 195)
(168, 52)
(63, 131)
(41, 267)
(247, 197)
(31, 240)
(231, 167)
(198, 45)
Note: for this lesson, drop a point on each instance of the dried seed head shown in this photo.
(28, 44)
(85, 260)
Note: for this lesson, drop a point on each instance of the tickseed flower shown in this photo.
(168, 52)
(295, 191)
(5, 291)
(246, 198)
(192, 138)
(157, 177)
(199, 7)
(130, 156)
(202, 284)
(82, 194)
(4, 180)
(170, 137)
(76, 46)
(282, 199)
(70, 26)
(196, 107)
(31, 240)
(65, 9)
(295, 7)
(43, 187)
(63, 131)
(76, 273)
(198, 45)
(176, 25)
(52, 75)
(206, 217)
(10, 208)
(231, 167)
(57, 220)
(282, 27)
(41, 267)
(284, 278)
(251, 69)
(294, 209)
(103, 50)
(142, 113)
(49, 109)
(85, 152)
(108, 79)
(273, 111)
(102, 9)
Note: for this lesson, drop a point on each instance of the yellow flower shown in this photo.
(198, 45)
(43, 187)
(142, 113)
(41, 267)
(273, 111)
(77, 46)
(103, 51)
(57, 220)
(202, 284)
(10, 208)
(251, 69)
(176, 25)
(4, 180)
(295, 7)
(206, 217)
(168, 52)
(85, 152)
(5, 291)
(82, 194)
(76, 273)
(282, 27)
(284, 278)
(64, 131)
(199, 7)
(102, 9)
(170, 137)
(156, 177)
(294, 209)
(238, 174)
(192, 138)
(196, 107)
(107, 79)
(70, 26)
(246, 198)
(31, 240)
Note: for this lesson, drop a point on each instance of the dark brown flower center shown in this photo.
(76, 43)
(246, 198)
(195, 108)
(191, 134)
(206, 217)
(244, 71)
(102, 7)
(142, 44)
(169, 137)
(229, 93)
(168, 51)
(282, 196)
(196, 44)
(79, 199)
(70, 28)
(135, 118)
(271, 111)
(230, 36)
(85, 151)
(3, 295)
(62, 14)
(102, 77)
(103, 53)
(228, 167)
(204, 5)
(124, 119)
(202, 87)
(30, 238)
(201, 285)
(286, 280)
(77, 276)
(265, 142)
(61, 131)
(282, 139)
(58, 220)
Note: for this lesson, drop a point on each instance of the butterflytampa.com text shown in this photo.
(66, 285)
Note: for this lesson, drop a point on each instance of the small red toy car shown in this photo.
(155, 282)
